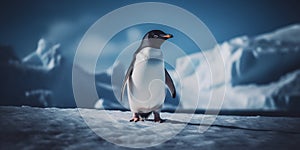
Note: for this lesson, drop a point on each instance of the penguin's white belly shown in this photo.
(146, 88)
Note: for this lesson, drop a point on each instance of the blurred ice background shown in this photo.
(262, 73)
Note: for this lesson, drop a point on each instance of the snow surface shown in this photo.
(44, 128)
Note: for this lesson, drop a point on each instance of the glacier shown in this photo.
(258, 72)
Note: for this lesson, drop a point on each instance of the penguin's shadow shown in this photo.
(224, 126)
(177, 122)
(181, 122)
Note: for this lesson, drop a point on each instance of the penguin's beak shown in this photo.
(167, 36)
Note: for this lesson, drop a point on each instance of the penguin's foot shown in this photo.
(157, 117)
(136, 118)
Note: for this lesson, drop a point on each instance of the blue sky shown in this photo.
(23, 23)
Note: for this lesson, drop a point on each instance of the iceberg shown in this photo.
(29, 81)
(256, 71)
(45, 56)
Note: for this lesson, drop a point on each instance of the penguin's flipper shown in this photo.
(170, 84)
(127, 76)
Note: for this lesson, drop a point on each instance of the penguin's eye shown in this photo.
(155, 36)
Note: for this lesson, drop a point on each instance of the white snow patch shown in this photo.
(99, 104)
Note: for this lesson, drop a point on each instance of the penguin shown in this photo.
(146, 78)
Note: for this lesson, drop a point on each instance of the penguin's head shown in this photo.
(155, 38)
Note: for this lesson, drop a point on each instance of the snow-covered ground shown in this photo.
(53, 128)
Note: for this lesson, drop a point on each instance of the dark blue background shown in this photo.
(24, 22)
